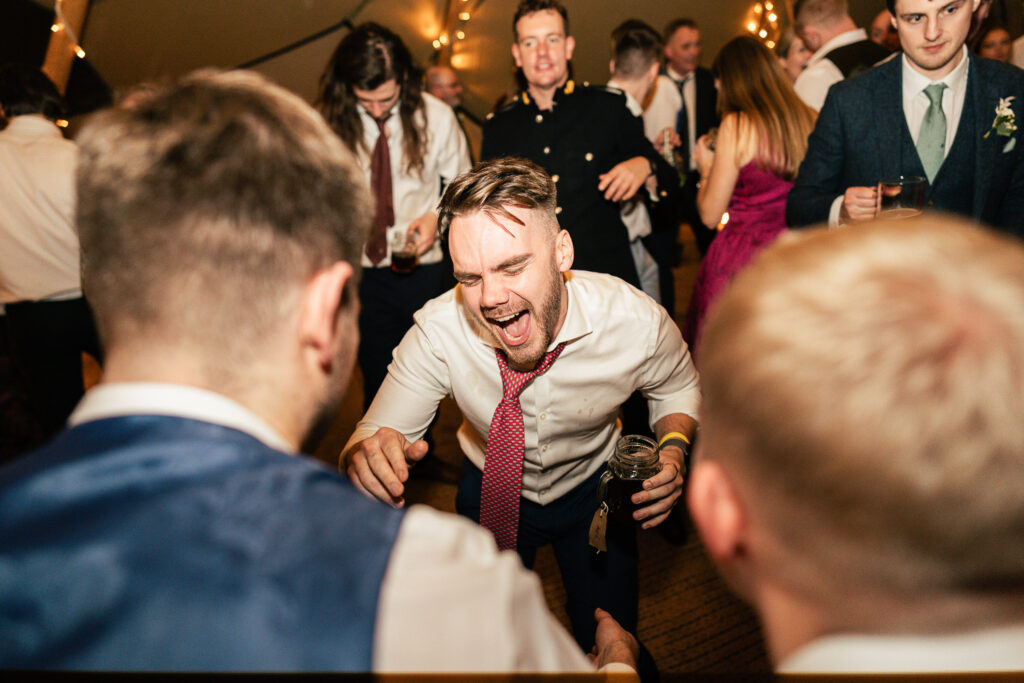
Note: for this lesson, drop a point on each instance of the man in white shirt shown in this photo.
(685, 99)
(593, 339)
(936, 112)
(860, 484)
(174, 526)
(840, 48)
(45, 318)
(370, 85)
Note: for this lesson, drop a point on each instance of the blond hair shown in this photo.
(773, 120)
(866, 387)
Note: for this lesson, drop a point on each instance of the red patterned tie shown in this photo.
(380, 186)
(506, 445)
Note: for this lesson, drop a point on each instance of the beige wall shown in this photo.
(133, 41)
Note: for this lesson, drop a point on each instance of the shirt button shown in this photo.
(554, 178)
(547, 150)
(558, 210)
(543, 416)
(538, 118)
(544, 448)
(588, 156)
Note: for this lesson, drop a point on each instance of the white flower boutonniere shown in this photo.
(1005, 122)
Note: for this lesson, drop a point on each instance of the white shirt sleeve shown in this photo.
(449, 148)
(670, 382)
(451, 602)
(662, 110)
(408, 398)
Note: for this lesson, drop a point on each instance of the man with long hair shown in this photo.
(409, 144)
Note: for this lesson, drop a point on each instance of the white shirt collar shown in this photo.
(997, 649)
(847, 38)
(32, 124)
(173, 400)
(914, 81)
(631, 102)
(675, 75)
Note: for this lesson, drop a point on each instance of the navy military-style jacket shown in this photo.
(587, 132)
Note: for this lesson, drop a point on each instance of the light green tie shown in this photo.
(931, 141)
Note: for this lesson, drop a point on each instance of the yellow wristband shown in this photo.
(673, 435)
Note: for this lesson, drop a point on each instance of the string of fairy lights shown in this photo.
(458, 20)
(763, 21)
(61, 24)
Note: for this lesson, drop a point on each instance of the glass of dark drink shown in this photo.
(635, 460)
(403, 253)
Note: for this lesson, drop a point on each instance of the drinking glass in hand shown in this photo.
(635, 460)
(900, 197)
(403, 253)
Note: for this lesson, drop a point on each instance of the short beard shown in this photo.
(547, 318)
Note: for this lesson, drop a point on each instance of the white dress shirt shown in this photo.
(449, 600)
(662, 110)
(916, 103)
(39, 253)
(617, 340)
(447, 155)
(821, 74)
(1017, 53)
(998, 649)
(689, 92)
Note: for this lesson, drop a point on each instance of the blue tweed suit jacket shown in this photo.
(861, 137)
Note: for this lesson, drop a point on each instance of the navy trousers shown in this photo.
(607, 580)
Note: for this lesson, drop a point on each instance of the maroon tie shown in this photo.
(380, 185)
(506, 445)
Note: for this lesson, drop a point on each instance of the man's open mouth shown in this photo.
(514, 328)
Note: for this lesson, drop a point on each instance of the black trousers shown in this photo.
(387, 302)
(46, 340)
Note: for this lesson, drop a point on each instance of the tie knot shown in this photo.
(513, 381)
(934, 93)
(382, 121)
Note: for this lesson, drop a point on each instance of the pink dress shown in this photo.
(757, 214)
